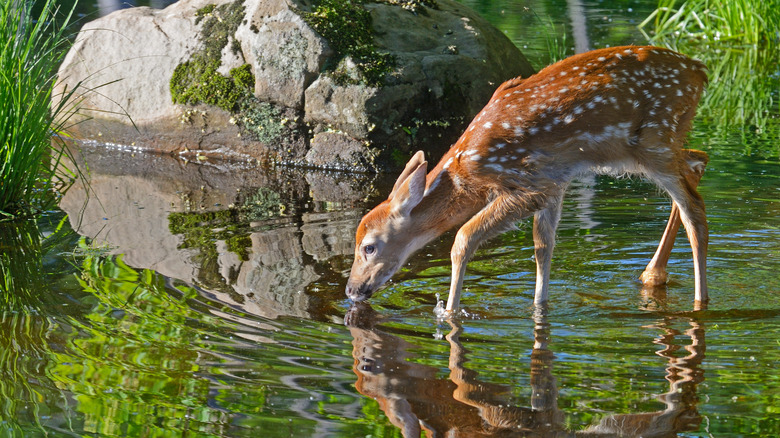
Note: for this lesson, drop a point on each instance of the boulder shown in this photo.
(304, 102)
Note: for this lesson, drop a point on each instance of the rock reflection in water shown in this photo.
(174, 218)
(415, 400)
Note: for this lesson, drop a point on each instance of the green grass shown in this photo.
(739, 41)
(751, 22)
(30, 171)
(555, 40)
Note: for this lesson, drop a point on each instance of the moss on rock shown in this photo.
(199, 81)
(346, 25)
(415, 6)
(262, 120)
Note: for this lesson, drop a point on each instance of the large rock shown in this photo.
(285, 53)
(448, 62)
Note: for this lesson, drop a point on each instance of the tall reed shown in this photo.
(739, 40)
(32, 48)
(751, 22)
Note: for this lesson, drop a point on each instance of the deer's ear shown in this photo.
(410, 192)
(411, 166)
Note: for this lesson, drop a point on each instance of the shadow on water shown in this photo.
(416, 400)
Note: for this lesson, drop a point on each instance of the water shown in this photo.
(208, 300)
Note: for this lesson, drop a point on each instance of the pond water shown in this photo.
(184, 299)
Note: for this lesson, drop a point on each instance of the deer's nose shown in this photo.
(357, 293)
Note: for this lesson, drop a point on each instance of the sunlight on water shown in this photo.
(166, 313)
(237, 339)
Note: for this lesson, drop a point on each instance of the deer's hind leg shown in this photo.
(655, 272)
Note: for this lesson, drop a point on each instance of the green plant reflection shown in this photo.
(28, 394)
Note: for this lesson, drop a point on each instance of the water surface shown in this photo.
(207, 299)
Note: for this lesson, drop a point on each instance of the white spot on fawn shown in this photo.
(496, 167)
(488, 125)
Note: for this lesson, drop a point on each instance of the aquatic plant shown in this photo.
(740, 43)
(30, 161)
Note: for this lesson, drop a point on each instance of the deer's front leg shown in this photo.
(498, 216)
(545, 225)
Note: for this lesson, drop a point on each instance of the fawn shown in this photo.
(621, 110)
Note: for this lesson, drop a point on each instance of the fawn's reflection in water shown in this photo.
(416, 400)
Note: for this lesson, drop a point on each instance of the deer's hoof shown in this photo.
(653, 278)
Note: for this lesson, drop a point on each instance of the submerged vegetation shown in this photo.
(30, 167)
(740, 43)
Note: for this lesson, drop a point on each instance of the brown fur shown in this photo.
(622, 110)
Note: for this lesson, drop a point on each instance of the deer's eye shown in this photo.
(369, 249)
